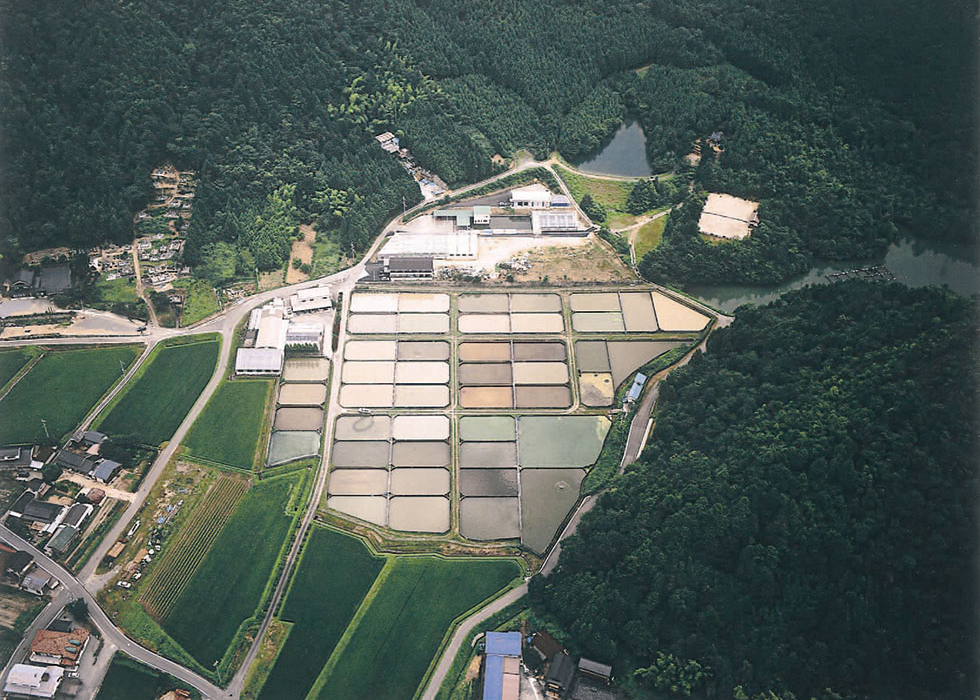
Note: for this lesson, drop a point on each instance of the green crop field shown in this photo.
(649, 236)
(130, 680)
(155, 402)
(334, 575)
(10, 363)
(228, 586)
(60, 388)
(230, 429)
(396, 640)
(161, 589)
(200, 301)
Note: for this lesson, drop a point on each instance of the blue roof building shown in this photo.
(634, 393)
(502, 668)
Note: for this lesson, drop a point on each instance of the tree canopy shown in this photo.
(846, 147)
(805, 514)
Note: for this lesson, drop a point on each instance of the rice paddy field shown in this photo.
(43, 393)
(228, 586)
(342, 567)
(513, 462)
(388, 653)
(231, 430)
(11, 362)
(127, 679)
(156, 401)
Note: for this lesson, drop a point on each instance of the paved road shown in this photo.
(225, 324)
(72, 588)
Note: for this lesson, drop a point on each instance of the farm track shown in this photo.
(177, 566)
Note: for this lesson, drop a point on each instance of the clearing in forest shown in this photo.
(182, 557)
(302, 250)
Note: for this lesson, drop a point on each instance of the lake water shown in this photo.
(915, 263)
(625, 154)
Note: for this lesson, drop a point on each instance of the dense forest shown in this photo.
(805, 515)
(849, 132)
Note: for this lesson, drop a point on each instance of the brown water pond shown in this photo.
(362, 453)
(489, 518)
(488, 454)
(488, 482)
(422, 453)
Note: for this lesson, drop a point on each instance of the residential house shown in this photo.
(106, 470)
(81, 463)
(595, 670)
(15, 458)
(560, 675)
(27, 681)
(37, 582)
(17, 565)
(54, 648)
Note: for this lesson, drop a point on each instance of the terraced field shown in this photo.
(182, 557)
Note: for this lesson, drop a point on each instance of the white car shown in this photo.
(137, 576)
(124, 584)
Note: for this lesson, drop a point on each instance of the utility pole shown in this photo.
(44, 424)
(122, 367)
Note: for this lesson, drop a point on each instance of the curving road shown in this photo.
(87, 584)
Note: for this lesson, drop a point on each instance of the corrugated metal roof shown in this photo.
(258, 360)
(504, 643)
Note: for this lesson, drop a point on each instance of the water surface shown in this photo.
(625, 154)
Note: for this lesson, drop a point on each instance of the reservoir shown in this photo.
(625, 154)
(915, 263)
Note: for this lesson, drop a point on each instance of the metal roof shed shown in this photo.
(504, 643)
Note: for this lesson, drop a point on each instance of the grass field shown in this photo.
(200, 301)
(156, 401)
(391, 648)
(117, 290)
(230, 582)
(180, 560)
(230, 428)
(130, 680)
(327, 257)
(334, 575)
(11, 362)
(60, 388)
(648, 237)
(611, 194)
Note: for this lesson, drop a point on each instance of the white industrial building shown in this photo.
(440, 245)
(299, 333)
(25, 680)
(311, 299)
(266, 337)
(531, 197)
(551, 220)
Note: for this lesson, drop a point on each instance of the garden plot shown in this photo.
(487, 428)
(303, 369)
(547, 495)
(373, 509)
(420, 454)
(366, 372)
(421, 396)
(490, 518)
(418, 513)
(596, 388)
(423, 350)
(370, 350)
(675, 316)
(435, 427)
(302, 394)
(633, 312)
(419, 481)
(363, 428)
(488, 482)
(366, 453)
(511, 323)
(358, 482)
(619, 357)
(560, 441)
(288, 445)
(367, 395)
(421, 372)
(299, 419)
(487, 454)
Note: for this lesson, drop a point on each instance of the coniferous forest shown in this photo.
(851, 121)
(804, 516)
